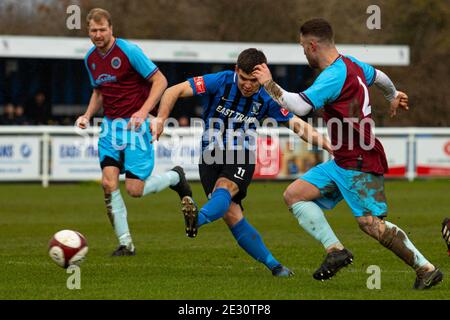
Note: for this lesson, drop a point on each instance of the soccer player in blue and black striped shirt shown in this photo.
(233, 105)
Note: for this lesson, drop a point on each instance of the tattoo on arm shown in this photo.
(273, 90)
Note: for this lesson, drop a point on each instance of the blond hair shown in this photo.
(97, 14)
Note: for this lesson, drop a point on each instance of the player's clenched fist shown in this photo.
(82, 122)
(137, 119)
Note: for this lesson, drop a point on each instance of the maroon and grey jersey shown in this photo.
(121, 75)
(341, 89)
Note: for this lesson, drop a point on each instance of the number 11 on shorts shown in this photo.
(240, 173)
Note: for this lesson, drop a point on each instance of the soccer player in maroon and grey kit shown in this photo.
(356, 172)
(128, 85)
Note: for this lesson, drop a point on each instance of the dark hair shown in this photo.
(319, 28)
(249, 58)
(97, 14)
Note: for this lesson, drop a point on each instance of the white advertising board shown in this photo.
(19, 158)
(183, 151)
(74, 158)
(396, 154)
(433, 156)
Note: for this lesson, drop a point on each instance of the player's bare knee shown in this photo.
(292, 196)
(134, 191)
(227, 184)
(365, 223)
(370, 225)
(109, 185)
(300, 190)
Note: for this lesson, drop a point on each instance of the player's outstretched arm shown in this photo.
(95, 103)
(307, 133)
(288, 100)
(168, 100)
(397, 99)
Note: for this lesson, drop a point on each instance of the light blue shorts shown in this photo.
(132, 150)
(363, 192)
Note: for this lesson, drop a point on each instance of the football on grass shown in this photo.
(67, 248)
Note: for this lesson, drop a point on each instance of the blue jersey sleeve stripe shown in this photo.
(151, 74)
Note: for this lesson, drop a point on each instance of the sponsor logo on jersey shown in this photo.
(104, 78)
(199, 85)
(116, 62)
(284, 112)
(255, 108)
(235, 115)
(93, 66)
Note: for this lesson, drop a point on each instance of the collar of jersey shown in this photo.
(103, 56)
(340, 56)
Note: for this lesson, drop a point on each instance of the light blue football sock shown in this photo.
(250, 240)
(312, 219)
(418, 260)
(118, 212)
(215, 208)
(158, 183)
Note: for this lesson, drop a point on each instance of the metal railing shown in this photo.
(47, 133)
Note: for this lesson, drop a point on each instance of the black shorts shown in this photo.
(240, 172)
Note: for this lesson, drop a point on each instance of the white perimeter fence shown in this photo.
(57, 153)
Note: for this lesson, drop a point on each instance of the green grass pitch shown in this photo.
(168, 265)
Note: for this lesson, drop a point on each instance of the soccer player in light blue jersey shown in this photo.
(128, 85)
(356, 173)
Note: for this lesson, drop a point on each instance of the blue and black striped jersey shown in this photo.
(225, 107)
